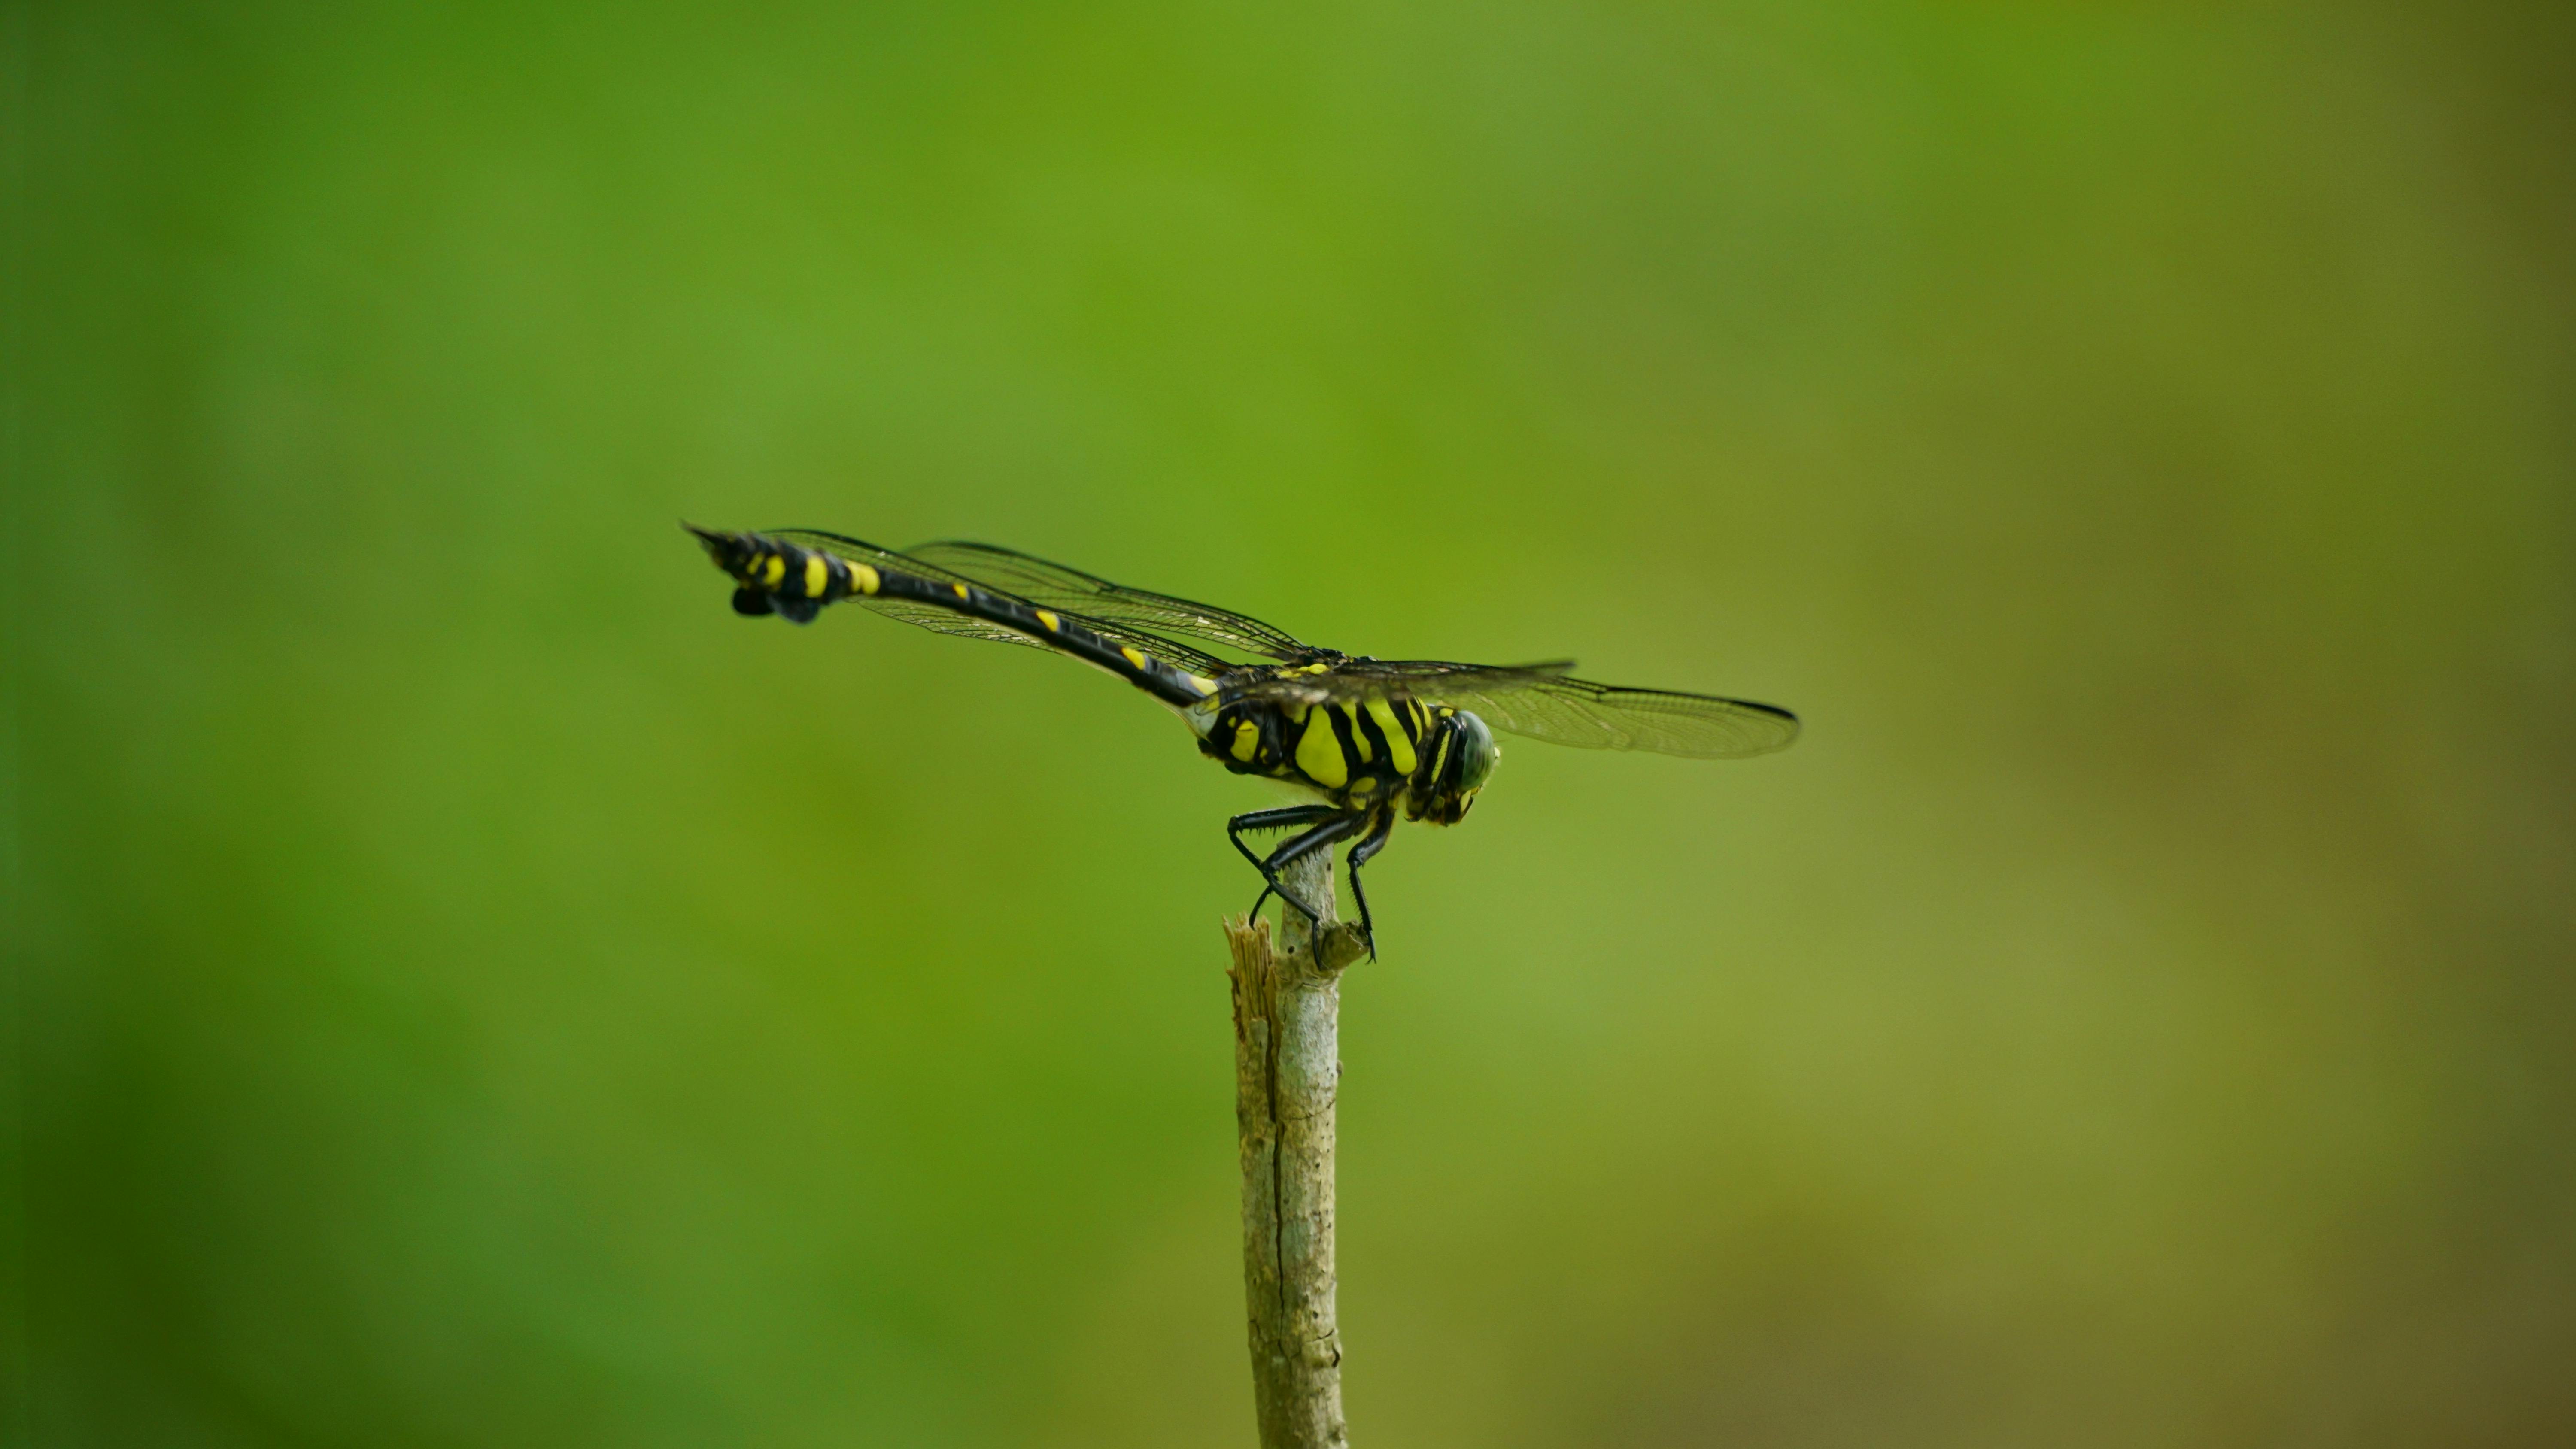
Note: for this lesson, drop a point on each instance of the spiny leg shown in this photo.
(1322, 837)
(1280, 818)
(1381, 829)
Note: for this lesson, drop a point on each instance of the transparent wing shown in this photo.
(1070, 590)
(1537, 700)
(944, 621)
(1607, 717)
(1343, 678)
(1543, 703)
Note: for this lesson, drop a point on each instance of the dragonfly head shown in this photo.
(1460, 756)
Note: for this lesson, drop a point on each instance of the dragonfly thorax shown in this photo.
(1362, 755)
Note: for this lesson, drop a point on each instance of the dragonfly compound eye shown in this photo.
(1474, 753)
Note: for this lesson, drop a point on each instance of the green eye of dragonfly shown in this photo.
(1373, 741)
(1476, 751)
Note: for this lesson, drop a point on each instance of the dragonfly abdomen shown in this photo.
(773, 576)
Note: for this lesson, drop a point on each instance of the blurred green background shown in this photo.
(475, 991)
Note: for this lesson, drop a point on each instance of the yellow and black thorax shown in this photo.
(1384, 751)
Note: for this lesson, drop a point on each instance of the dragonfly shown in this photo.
(1366, 742)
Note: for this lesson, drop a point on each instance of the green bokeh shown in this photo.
(478, 992)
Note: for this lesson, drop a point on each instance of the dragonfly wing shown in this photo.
(1542, 702)
(944, 621)
(1070, 590)
(1593, 716)
(1357, 679)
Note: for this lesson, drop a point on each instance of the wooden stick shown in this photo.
(1287, 1069)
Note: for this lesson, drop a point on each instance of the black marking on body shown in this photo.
(1277, 731)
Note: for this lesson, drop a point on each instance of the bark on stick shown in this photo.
(1287, 1067)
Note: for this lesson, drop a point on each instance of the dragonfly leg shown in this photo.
(1279, 819)
(1322, 837)
(1381, 829)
